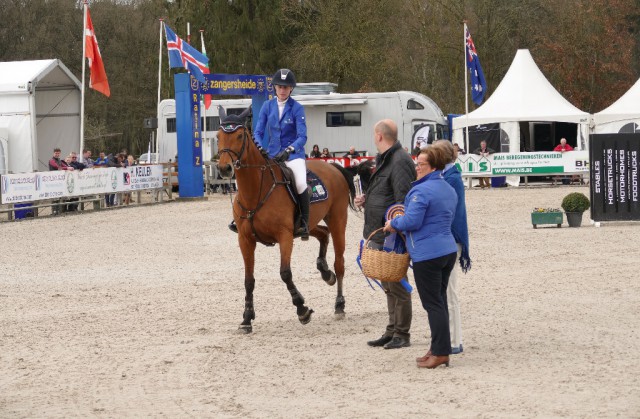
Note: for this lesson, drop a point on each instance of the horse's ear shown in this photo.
(245, 113)
(221, 112)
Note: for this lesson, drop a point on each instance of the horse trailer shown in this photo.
(335, 121)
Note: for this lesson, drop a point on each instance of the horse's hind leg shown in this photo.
(286, 247)
(322, 234)
(248, 247)
(337, 226)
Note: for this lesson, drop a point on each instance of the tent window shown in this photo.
(344, 119)
(412, 104)
(171, 125)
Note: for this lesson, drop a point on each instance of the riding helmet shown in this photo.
(284, 77)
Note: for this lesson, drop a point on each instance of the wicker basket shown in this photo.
(384, 266)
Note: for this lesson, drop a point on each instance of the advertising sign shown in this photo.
(29, 187)
(528, 163)
(614, 176)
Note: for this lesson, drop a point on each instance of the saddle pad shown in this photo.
(318, 190)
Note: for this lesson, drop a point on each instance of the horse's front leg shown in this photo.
(248, 248)
(286, 247)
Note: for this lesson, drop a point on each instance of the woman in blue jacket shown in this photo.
(430, 207)
(283, 119)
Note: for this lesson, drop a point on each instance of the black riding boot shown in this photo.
(303, 230)
(233, 227)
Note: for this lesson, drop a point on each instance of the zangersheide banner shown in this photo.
(28, 187)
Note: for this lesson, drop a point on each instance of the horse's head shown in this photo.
(233, 141)
(365, 170)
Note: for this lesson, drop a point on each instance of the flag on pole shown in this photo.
(98, 78)
(207, 98)
(478, 83)
(181, 54)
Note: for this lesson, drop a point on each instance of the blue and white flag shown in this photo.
(478, 83)
(183, 55)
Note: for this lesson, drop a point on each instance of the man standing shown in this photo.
(484, 151)
(389, 184)
(56, 163)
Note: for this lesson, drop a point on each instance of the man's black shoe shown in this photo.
(397, 343)
(233, 227)
(380, 342)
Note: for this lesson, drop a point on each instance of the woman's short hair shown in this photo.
(436, 157)
(447, 147)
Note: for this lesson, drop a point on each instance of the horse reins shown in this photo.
(238, 164)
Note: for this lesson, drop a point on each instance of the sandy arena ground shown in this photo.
(133, 312)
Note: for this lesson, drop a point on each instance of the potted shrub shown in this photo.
(546, 216)
(574, 204)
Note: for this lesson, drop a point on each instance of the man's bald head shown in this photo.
(385, 134)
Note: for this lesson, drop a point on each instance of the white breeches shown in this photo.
(455, 328)
(299, 168)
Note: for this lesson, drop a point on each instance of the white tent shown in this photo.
(622, 116)
(39, 110)
(524, 95)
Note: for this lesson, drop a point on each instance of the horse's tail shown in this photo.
(349, 178)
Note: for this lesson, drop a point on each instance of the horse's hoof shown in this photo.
(339, 316)
(332, 279)
(245, 329)
(306, 317)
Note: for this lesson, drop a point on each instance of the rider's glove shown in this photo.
(283, 156)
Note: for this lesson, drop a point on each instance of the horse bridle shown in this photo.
(238, 164)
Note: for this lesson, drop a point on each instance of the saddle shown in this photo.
(317, 190)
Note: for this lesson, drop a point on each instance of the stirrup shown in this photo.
(302, 233)
(233, 227)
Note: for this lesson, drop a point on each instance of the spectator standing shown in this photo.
(86, 158)
(388, 185)
(56, 163)
(484, 151)
(460, 231)
(102, 160)
(429, 209)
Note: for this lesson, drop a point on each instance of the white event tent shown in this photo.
(39, 110)
(623, 116)
(524, 95)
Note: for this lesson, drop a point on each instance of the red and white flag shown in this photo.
(98, 80)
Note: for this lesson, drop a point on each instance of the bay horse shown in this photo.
(263, 211)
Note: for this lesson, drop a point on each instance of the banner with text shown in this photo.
(528, 163)
(28, 187)
(614, 177)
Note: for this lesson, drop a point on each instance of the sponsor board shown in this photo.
(28, 187)
(531, 163)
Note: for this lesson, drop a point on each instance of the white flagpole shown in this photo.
(84, 52)
(204, 108)
(466, 86)
(159, 85)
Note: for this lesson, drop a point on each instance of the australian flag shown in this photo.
(184, 55)
(478, 83)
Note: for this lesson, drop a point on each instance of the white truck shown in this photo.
(335, 121)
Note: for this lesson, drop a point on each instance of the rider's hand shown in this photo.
(283, 156)
(359, 200)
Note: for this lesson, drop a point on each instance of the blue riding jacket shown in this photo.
(290, 130)
(429, 208)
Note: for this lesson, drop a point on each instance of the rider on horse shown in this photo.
(284, 119)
